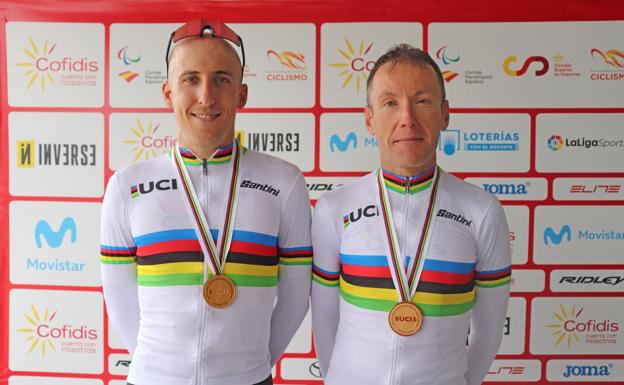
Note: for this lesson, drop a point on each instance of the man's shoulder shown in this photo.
(270, 165)
(144, 169)
(351, 191)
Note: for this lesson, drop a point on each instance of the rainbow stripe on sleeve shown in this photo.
(325, 277)
(494, 278)
(445, 289)
(293, 256)
(117, 255)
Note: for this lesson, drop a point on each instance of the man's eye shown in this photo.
(223, 79)
(389, 103)
(189, 79)
(423, 101)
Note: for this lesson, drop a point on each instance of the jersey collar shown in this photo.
(221, 156)
(412, 184)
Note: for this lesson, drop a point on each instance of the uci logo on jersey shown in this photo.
(148, 187)
(356, 215)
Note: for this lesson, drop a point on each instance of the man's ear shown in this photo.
(166, 92)
(242, 96)
(368, 120)
(445, 115)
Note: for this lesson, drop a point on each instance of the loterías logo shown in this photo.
(42, 66)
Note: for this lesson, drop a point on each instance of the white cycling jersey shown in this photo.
(153, 268)
(464, 283)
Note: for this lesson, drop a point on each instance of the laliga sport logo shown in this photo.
(441, 55)
(40, 67)
(555, 142)
(356, 64)
(289, 60)
(525, 66)
(612, 57)
(146, 143)
(568, 326)
(122, 55)
(43, 334)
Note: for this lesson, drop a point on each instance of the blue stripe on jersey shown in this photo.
(448, 266)
(316, 267)
(363, 260)
(504, 269)
(131, 248)
(295, 249)
(189, 234)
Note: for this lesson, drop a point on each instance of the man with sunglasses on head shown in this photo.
(206, 253)
(408, 258)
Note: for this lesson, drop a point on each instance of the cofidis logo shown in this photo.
(44, 67)
(147, 142)
(45, 335)
(356, 65)
(573, 325)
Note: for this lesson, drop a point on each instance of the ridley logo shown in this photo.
(613, 280)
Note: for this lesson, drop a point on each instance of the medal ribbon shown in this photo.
(405, 287)
(200, 224)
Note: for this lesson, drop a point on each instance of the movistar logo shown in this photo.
(55, 238)
(556, 237)
(343, 145)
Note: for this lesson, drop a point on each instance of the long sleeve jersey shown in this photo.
(464, 283)
(153, 268)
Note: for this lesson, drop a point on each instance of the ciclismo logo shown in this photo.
(450, 141)
(147, 142)
(43, 67)
(357, 64)
(128, 60)
(46, 336)
(612, 65)
(350, 141)
(31, 154)
(292, 66)
(574, 326)
(557, 143)
(541, 67)
(555, 237)
(587, 371)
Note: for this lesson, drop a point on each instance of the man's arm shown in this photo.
(325, 285)
(295, 255)
(119, 277)
(493, 277)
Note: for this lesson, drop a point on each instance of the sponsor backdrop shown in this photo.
(537, 119)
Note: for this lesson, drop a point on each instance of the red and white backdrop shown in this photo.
(537, 118)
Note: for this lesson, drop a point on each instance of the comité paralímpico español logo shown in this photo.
(569, 326)
(357, 64)
(42, 334)
(145, 142)
(123, 56)
(41, 66)
(446, 60)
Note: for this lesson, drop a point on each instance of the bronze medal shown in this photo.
(405, 319)
(219, 291)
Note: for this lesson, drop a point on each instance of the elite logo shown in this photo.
(148, 187)
(55, 238)
(557, 237)
(358, 63)
(525, 66)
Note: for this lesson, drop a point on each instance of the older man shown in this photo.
(408, 258)
(205, 277)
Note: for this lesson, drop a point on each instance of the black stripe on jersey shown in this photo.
(444, 288)
(253, 259)
(381, 283)
(179, 256)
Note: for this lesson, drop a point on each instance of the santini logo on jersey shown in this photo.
(262, 187)
(456, 217)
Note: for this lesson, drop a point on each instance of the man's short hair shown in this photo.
(405, 53)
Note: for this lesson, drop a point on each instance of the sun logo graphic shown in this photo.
(612, 57)
(122, 55)
(35, 64)
(289, 59)
(38, 337)
(555, 143)
(442, 56)
(145, 142)
(562, 329)
(356, 65)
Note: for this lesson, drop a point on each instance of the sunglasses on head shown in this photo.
(198, 27)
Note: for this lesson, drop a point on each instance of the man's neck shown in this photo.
(204, 150)
(408, 171)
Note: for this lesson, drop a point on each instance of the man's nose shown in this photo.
(205, 94)
(408, 115)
